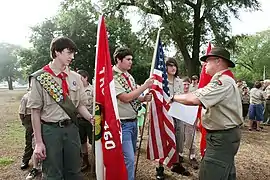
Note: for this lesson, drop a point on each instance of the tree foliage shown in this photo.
(9, 63)
(189, 23)
(252, 56)
(78, 20)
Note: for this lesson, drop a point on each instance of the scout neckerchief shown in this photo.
(62, 76)
(125, 82)
(47, 81)
(228, 73)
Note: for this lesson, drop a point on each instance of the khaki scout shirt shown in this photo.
(222, 101)
(176, 87)
(50, 110)
(256, 96)
(89, 94)
(245, 98)
(193, 87)
(267, 92)
(22, 109)
(240, 89)
(126, 111)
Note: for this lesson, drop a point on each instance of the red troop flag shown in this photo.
(204, 80)
(161, 142)
(110, 163)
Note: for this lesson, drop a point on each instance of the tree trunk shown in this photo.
(194, 63)
(9, 80)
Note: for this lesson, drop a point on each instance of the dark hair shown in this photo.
(257, 84)
(59, 44)
(194, 77)
(83, 73)
(239, 80)
(121, 53)
(172, 61)
(186, 79)
(244, 88)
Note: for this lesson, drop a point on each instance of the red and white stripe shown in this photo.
(161, 142)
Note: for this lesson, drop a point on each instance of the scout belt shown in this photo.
(62, 123)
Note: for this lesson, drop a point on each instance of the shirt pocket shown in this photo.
(74, 95)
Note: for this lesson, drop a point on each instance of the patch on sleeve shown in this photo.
(217, 82)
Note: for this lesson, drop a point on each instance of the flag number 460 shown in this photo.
(109, 144)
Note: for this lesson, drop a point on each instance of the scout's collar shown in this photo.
(57, 70)
(89, 87)
(116, 69)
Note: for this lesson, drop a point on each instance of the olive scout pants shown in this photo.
(218, 162)
(28, 151)
(63, 152)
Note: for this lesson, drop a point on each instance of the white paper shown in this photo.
(183, 112)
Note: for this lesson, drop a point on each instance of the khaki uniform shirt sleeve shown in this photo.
(267, 91)
(35, 99)
(83, 96)
(22, 108)
(118, 88)
(213, 93)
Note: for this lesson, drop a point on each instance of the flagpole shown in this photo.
(155, 52)
(264, 73)
(147, 105)
(94, 103)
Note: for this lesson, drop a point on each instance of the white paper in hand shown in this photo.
(183, 112)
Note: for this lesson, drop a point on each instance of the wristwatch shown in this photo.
(172, 99)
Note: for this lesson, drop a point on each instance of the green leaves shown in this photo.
(78, 20)
(253, 55)
(190, 23)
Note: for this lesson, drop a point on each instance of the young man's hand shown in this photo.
(148, 97)
(149, 82)
(40, 151)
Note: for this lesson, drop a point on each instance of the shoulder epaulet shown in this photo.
(35, 74)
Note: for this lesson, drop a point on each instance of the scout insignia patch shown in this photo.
(74, 83)
(217, 82)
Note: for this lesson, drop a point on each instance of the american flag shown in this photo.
(161, 142)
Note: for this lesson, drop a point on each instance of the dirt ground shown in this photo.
(252, 160)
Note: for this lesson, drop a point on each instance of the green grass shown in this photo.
(15, 132)
(13, 135)
(5, 161)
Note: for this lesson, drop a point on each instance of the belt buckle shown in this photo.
(61, 123)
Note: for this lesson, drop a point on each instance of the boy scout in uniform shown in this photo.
(194, 83)
(85, 127)
(56, 94)
(129, 102)
(175, 87)
(222, 102)
(25, 116)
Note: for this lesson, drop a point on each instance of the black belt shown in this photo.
(221, 130)
(128, 120)
(61, 123)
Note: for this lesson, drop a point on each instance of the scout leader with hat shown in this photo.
(223, 117)
(57, 94)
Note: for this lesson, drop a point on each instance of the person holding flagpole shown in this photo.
(56, 96)
(223, 117)
(175, 87)
(129, 100)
